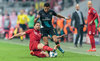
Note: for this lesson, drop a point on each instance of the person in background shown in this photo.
(6, 26)
(79, 24)
(92, 15)
(1, 26)
(22, 21)
(31, 20)
(13, 18)
(57, 8)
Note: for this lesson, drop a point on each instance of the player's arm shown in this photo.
(61, 36)
(27, 18)
(73, 19)
(19, 34)
(38, 16)
(57, 15)
(95, 16)
(60, 16)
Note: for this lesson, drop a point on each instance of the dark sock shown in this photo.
(57, 43)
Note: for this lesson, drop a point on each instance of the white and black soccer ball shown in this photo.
(53, 54)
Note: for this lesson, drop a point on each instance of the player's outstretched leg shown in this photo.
(57, 43)
(46, 48)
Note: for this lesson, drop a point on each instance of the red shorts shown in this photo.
(33, 45)
(38, 53)
(91, 29)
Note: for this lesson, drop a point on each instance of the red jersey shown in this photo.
(34, 35)
(92, 15)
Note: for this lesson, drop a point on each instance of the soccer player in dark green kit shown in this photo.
(45, 16)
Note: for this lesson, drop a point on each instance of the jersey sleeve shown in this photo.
(39, 13)
(54, 13)
(28, 31)
(95, 14)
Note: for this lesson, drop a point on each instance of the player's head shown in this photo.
(37, 26)
(89, 4)
(31, 12)
(46, 7)
(77, 7)
(22, 11)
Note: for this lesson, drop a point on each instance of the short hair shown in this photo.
(36, 23)
(46, 5)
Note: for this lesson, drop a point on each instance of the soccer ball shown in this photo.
(53, 54)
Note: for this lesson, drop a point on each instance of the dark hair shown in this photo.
(46, 5)
(36, 23)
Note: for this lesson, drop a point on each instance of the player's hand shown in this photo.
(11, 37)
(63, 35)
(66, 18)
(55, 47)
(97, 28)
(38, 16)
(91, 22)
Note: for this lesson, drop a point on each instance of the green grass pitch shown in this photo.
(15, 50)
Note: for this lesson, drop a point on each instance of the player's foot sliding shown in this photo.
(59, 48)
(32, 53)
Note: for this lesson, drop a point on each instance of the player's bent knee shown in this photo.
(55, 38)
(40, 46)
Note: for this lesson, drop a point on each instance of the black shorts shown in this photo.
(47, 31)
(23, 26)
(6, 28)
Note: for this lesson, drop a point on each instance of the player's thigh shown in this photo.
(93, 29)
(52, 31)
(40, 46)
(24, 27)
(89, 30)
(54, 38)
(44, 32)
(20, 27)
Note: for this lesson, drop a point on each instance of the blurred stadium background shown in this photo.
(14, 50)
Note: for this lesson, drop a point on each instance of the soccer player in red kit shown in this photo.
(92, 15)
(36, 48)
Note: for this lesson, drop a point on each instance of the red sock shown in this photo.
(46, 48)
(91, 40)
(6, 36)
